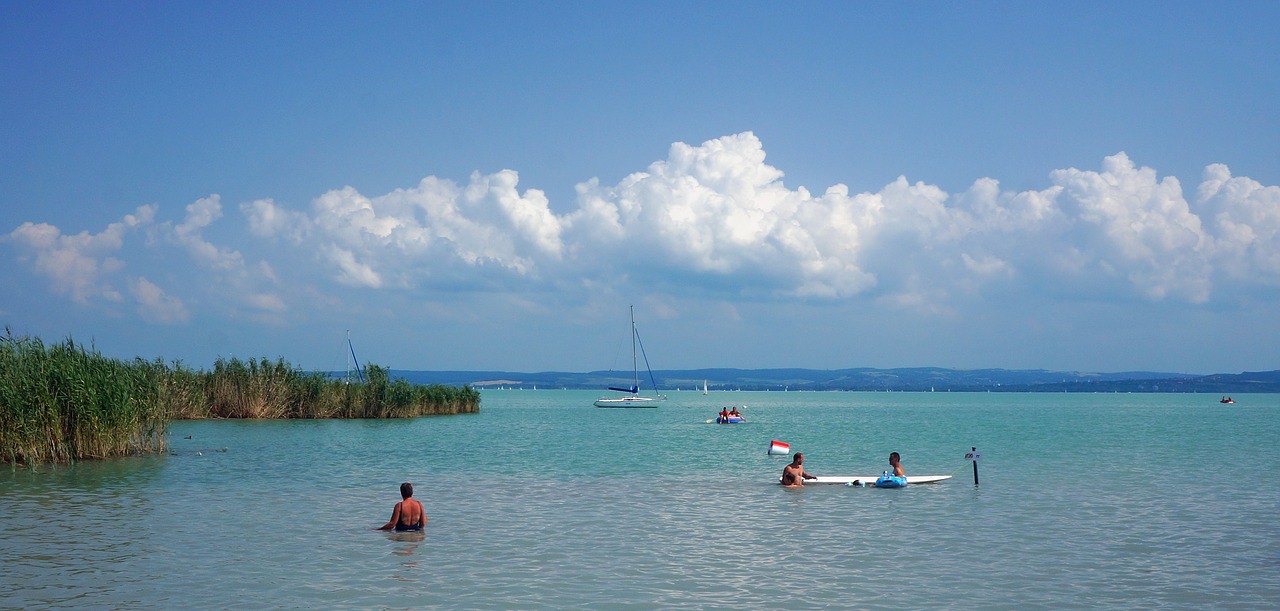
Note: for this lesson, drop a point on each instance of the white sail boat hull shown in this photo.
(636, 401)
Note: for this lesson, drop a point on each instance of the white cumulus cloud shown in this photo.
(1244, 218)
(714, 219)
(436, 231)
(716, 215)
(1128, 223)
(154, 305)
(201, 214)
(80, 265)
(719, 210)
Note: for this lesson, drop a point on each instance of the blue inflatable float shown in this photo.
(890, 481)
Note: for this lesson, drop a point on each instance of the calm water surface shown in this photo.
(542, 501)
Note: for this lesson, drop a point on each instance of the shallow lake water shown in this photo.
(543, 501)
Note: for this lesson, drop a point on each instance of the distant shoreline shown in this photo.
(483, 383)
(919, 379)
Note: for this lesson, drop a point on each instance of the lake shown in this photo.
(543, 501)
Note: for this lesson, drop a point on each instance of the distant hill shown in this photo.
(903, 379)
(1218, 383)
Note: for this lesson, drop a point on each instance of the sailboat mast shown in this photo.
(635, 365)
(351, 351)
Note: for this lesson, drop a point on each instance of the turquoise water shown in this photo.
(542, 501)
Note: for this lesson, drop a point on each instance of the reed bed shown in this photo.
(259, 388)
(63, 402)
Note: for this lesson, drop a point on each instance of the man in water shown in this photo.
(793, 475)
(408, 514)
(897, 466)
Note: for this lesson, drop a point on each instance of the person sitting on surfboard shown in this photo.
(794, 474)
(408, 514)
(894, 459)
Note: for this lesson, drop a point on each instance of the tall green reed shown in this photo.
(66, 402)
(259, 388)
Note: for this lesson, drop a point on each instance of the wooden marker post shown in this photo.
(973, 457)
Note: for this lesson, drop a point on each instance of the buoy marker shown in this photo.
(973, 456)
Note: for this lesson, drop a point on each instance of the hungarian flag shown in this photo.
(778, 447)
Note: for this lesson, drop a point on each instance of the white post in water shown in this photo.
(973, 457)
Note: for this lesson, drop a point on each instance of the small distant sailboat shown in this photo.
(704, 387)
(634, 398)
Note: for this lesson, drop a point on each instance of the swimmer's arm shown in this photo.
(395, 517)
(805, 474)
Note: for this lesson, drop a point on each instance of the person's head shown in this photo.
(406, 490)
(894, 458)
(798, 458)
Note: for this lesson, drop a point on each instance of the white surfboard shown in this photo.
(868, 480)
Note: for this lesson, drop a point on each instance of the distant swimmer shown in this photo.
(894, 461)
(408, 514)
(794, 474)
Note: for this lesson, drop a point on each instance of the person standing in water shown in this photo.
(794, 474)
(408, 514)
(894, 461)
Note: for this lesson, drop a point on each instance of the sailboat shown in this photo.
(633, 398)
(704, 387)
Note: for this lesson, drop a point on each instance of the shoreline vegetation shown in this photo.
(67, 402)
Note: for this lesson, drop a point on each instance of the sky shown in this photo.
(1078, 186)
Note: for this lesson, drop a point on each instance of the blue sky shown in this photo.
(1074, 186)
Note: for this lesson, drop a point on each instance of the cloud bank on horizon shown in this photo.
(715, 217)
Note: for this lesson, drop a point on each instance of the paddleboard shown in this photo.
(869, 480)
